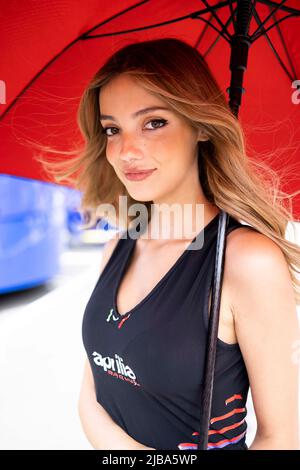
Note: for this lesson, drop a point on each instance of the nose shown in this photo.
(129, 150)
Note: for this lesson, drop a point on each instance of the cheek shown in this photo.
(178, 145)
(110, 157)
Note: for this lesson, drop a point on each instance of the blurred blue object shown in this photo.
(102, 224)
(73, 217)
(32, 224)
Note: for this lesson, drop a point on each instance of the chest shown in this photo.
(145, 271)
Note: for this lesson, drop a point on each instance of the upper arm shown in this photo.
(267, 329)
(87, 389)
(88, 378)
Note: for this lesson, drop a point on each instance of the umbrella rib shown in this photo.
(270, 3)
(193, 15)
(231, 18)
(217, 18)
(212, 26)
(274, 49)
(286, 49)
(260, 26)
(275, 24)
(113, 17)
(232, 11)
(202, 34)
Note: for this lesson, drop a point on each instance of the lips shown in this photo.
(137, 171)
(139, 175)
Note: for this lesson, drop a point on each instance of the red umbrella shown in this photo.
(51, 50)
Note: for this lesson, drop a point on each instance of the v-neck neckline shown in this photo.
(159, 283)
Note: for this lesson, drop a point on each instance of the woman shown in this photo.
(154, 107)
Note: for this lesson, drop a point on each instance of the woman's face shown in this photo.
(158, 140)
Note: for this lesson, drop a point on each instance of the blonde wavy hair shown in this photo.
(244, 187)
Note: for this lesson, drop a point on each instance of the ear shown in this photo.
(201, 136)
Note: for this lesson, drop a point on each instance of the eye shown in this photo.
(160, 121)
(105, 129)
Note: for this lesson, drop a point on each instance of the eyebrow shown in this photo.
(137, 113)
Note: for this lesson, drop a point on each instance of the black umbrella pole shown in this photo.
(239, 54)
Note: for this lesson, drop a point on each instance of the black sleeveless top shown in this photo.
(148, 364)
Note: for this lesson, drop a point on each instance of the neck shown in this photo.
(179, 220)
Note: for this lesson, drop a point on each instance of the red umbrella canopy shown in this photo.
(50, 51)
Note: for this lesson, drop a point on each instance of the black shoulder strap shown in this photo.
(210, 358)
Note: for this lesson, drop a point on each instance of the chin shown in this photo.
(141, 196)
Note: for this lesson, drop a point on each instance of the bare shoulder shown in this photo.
(248, 248)
(254, 267)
